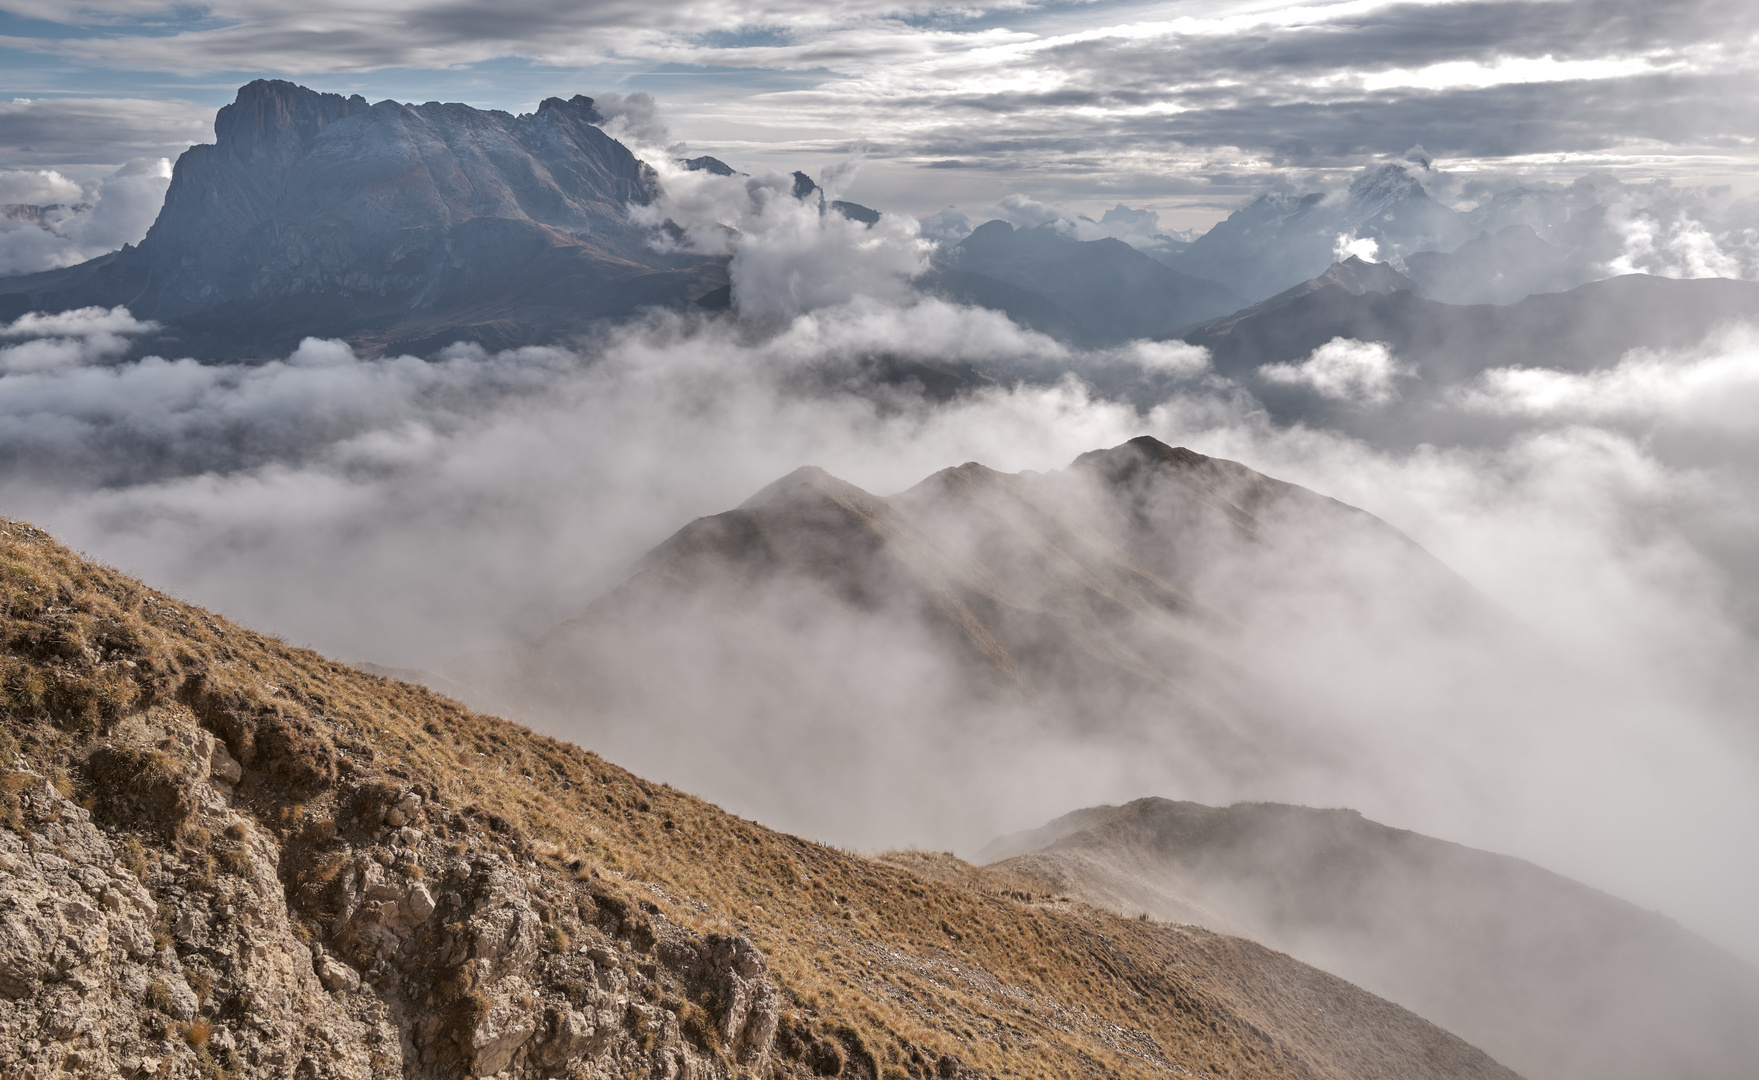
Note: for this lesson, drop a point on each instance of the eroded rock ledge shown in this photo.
(400, 937)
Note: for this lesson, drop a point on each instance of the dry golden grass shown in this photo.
(904, 959)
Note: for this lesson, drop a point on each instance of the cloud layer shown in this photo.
(407, 510)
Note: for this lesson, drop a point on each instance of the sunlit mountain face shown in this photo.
(1305, 453)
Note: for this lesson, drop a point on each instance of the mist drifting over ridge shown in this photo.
(407, 510)
(1307, 454)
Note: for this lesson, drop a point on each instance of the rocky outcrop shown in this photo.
(192, 942)
(124, 960)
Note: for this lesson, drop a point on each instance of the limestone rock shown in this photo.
(335, 975)
(503, 1027)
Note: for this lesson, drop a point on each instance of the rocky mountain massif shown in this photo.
(394, 226)
(224, 857)
(1559, 980)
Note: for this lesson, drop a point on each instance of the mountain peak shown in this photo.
(712, 165)
(808, 482)
(1387, 181)
(1358, 276)
(278, 119)
(1121, 462)
(579, 106)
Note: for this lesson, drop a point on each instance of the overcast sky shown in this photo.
(1184, 107)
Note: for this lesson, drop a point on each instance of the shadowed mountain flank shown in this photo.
(1431, 353)
(390, 225)
(222, 856)
(1495, 268)
(1556, 978)
(1588, 327)
(1109, 289)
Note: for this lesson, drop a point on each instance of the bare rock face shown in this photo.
(91, 970)
(736, 969)
(163, 932)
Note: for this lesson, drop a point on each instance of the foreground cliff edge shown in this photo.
(225, 857)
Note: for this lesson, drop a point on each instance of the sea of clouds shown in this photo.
(408, 510)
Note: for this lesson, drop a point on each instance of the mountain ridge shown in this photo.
(1559, 979)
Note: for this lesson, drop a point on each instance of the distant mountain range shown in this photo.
(1278, 240)
(1557, 980)
(1577, 330)
(1441, 347)
(409, 227)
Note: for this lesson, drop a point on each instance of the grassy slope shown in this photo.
(908, 964)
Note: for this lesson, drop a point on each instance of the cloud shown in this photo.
(1168, 357)
(634, 119)
(89, 136)
(1347, 246)
(1343, 369)
(104, 215)
(804, 261)
(69, 339)
(1711, 392)
(1677, 234)
(946, 227)
(1027, 212)
(38, 187)
(790, 255)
